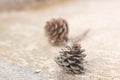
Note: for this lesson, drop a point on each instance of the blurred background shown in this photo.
(25, 53)
(25, 4)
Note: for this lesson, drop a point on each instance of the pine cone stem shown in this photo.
(80, 37)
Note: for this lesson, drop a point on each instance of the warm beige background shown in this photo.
(24, 48)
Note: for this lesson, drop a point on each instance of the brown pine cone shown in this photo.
(71, 59)
(57, 31)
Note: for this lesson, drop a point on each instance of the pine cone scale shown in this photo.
(75, 67)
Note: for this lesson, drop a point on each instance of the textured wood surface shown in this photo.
(25, 53)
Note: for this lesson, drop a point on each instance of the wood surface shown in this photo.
(25, 53)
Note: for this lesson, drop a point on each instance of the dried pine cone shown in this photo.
(57, 31)
(71, 59)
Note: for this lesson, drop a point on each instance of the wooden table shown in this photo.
(25, 53)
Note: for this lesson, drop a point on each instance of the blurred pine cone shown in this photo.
(57, 31)
(71, 59)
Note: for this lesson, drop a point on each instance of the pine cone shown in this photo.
(57, 31)
(71, 59)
